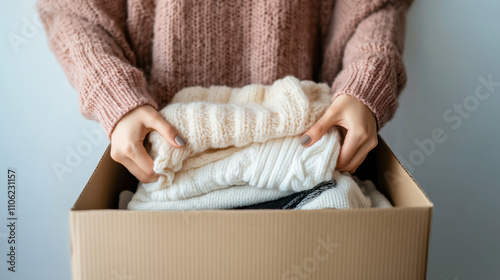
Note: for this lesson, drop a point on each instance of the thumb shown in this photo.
(317, 130)
(168, 132)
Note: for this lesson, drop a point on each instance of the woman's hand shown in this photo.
(352, 115)
(127, 141)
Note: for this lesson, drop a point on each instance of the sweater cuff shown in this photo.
(114, 97)
(374, 82)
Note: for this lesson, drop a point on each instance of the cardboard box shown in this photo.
(374, 243)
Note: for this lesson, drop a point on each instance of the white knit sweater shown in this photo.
(220, 116)
(266, 171)
(242, 147)
(349, 192)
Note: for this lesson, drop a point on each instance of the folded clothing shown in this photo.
(227, 198)
(220, 117)
(280, 165)
(293, 201)
(243, 148)
(343, 191)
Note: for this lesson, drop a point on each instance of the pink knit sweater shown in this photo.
(121, 54)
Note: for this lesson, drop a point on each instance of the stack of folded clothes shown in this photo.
(243, 152)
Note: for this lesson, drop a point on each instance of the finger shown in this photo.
(361, 154)
(168, 132)
(318, 129)
(357, 159)
(142, 159)
(352, 142)
(354, 170)
(137, 171)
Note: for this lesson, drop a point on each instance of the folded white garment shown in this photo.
(348, 192)
(243, 147)
(280, 164)
(229, 197)
(220, 117)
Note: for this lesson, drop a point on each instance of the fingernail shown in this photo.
(179, 140)
(304, 140)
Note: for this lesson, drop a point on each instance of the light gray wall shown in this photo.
(450, 45)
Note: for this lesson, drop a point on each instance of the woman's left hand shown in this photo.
(358, 124)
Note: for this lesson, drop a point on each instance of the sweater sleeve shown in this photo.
(372, 65)
(89, 40)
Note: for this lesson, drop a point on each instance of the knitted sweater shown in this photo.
(281, 163)
(121, 54)
(243, 147)
(348, 192)
(250, 174)
(220, 116)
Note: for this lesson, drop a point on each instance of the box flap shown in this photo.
(396, 181)
(104, 186)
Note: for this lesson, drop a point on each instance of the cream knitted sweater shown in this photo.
(254, 173)
(349, 192)
(219, 117)
(243, 148)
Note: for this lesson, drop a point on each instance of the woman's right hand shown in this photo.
(127, 140)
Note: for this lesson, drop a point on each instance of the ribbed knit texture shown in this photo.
(122, 54)
(346, 192)
(280, 163)
(220, 117)
(245, 137)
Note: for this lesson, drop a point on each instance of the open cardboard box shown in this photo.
(373, 243)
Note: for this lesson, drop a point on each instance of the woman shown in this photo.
(127, 58)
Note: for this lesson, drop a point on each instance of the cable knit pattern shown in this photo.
(219, 117)
(243, 148)
(121, 54)
(282, 164)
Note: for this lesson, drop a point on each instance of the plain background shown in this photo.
(450, 44)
